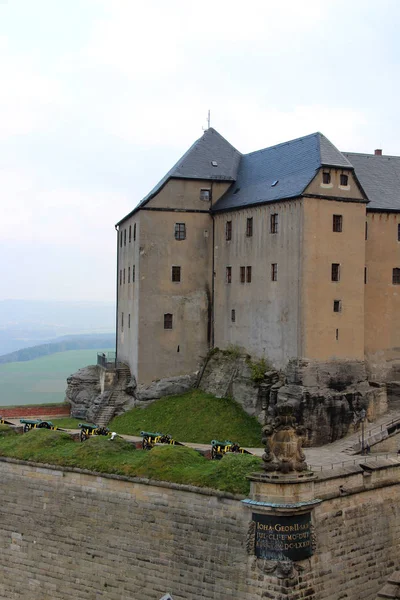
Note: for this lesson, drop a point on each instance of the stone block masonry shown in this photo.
(68, 534)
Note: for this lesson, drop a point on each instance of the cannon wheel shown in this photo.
(213, 453)
(83, 435)
(146, 445)
(26, 427)
(44, 425)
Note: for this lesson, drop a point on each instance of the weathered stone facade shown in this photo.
(66, 534)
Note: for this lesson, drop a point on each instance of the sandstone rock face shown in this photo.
(83, 390)
(164, 387)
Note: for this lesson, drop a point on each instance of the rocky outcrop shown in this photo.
(83, 390)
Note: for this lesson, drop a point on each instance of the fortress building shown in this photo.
(289, 252)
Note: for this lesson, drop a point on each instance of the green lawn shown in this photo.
(193, 417)
(42, 380)
(167, 463)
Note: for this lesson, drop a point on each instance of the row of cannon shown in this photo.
(149, 439)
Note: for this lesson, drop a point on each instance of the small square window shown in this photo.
(248, 274)
(274, 223)
(326, 177)
(133, 273)
(168, 321)
(242, 274)
(337, 306)
(335, 272)
(205, 195)
(130, 233)
(228, 274)
(337, 223)
(344, 179)
(129, 274)
(274, 272)
(396, 276)
(176, 274)
(228, 231)
(233, 315)
(249, 227)
(180, 231)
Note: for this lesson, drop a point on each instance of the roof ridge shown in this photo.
(303, 137)
(380, 156)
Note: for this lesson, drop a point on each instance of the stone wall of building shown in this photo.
(66, 534)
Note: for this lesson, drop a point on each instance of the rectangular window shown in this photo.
(130, 233)
(337, 223)
(120, 277)
(176, 274)
(344, 180)
(129, 321)
(274, 223)
(228, 231)
(249, 227)
(129, 274)
(228, 274)
(337, 334)
(122, 320)
(120, 238)
(366, 230)
(124, 237)
(248, 274)
(242, 274)
(337, 306)
(133, 274)
(124, 276)
(335, 272)
(398, 232)
(180, 231)
(134, 232)
(205, 195)
(274, 272)
(326, 177)
(365, 274)
(168, 321)
(396, 276)
(233, 315)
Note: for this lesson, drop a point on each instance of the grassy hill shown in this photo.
(42, 380)
(193, 417)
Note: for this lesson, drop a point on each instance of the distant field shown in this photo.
(42, 380)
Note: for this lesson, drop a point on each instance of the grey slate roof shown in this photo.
(196, 163)
(292, 165)
(380, 179)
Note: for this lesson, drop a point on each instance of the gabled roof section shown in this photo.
(210, 157)
(380, 178)
(282, 171)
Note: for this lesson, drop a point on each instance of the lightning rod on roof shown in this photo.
(208, 121)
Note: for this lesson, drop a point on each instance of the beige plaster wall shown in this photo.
(382, 298)
(322, 247)
(267, 312)
(185, 194)
(128, 295)
(318, 188)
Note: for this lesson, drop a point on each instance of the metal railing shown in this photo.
(389, 426)
(355, 461)
(106, 359)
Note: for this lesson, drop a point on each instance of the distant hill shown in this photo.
(25, 323)
(62, 344)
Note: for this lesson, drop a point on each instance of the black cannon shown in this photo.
(151, 439)
(37, 424)
(218, 449)
(88, 429)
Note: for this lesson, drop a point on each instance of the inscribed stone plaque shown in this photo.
(282, 538)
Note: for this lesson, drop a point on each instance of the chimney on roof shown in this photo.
(378, 152)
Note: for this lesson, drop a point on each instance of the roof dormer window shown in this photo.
(214, 163)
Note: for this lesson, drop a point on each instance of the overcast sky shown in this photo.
(99, 98)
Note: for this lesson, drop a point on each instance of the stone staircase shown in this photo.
(374, 434)
(391, 589)
(107, 410)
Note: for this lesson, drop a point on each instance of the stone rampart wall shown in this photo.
(66, 534)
